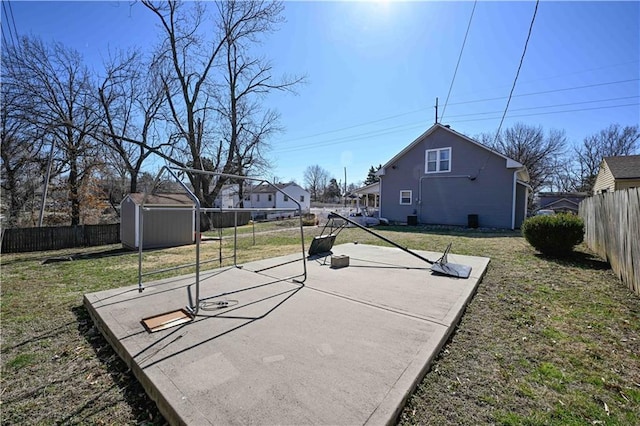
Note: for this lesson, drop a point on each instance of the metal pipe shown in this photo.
(385, 239)
(193, 308)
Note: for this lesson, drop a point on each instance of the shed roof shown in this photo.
(173, 199)
(624, 167)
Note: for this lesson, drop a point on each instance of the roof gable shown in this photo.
(624, 167)
(510, 163)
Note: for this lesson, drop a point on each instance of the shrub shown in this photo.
(309, 219)
(554, 235)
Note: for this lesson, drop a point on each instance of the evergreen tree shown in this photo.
(371, 176)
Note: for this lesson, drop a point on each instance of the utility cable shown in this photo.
(6, 14)
(524, 51)
(15, 29)
(415, 125)
(457, 103)
(458, 64)
(564, 89)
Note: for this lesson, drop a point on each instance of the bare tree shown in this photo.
(613, 141)
(131, 102)
(529, 146)
(20, 150)
(61, 106)
(315, 180)
(214, 88)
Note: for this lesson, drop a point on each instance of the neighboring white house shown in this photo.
(265, 196)
(227, 197)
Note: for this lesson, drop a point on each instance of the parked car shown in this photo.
(545, 212)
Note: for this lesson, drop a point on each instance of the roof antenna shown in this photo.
(436, 110)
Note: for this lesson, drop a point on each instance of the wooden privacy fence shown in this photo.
(19, 240)
(227, 219)
(612, 230)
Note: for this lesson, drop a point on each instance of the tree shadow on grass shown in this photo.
(143, 408)
(578, 259)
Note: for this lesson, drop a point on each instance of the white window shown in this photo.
(405, 197)
(438, 160)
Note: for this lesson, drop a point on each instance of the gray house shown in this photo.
(444, 177)
(170, 221)
(561, 202)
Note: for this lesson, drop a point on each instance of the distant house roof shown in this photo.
(624, 167)
(174, 199)
(265, 188)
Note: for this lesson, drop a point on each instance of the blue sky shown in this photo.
(374, 69)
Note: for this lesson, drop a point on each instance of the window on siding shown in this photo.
(405, 197)
(286, 198)
(270, 198)
(258, 197)
(302, 198)
(247, 197)
(438, 160)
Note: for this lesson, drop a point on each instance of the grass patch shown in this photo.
(543, 342)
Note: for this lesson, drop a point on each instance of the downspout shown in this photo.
(513, 200)
(380, 198)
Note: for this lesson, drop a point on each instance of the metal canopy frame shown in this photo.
(174, 172)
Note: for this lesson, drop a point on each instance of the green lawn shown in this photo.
(542, 342)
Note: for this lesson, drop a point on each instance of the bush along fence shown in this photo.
(612, 230)
(19, 240)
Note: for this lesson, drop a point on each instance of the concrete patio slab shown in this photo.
(346, 347)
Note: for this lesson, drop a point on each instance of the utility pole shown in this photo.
(345, 187)
(436, 110)
(46, 184)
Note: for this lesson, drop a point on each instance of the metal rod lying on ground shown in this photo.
(385, 239)
(440, 266)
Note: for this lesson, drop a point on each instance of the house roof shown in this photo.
(268, 189)
(510, 162)
(559, 202)
(624, 167)
(173, 199)
(373, 188)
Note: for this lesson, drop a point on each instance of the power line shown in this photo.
(6, 14)
(549, 106)
(15, 29)
(548, 91)
(554, 112)
(356, 125)
(410, 126)
(513, 87)
(459, 58)
(458, 103)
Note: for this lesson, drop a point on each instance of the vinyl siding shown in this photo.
(604, 180)
(448, 198)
